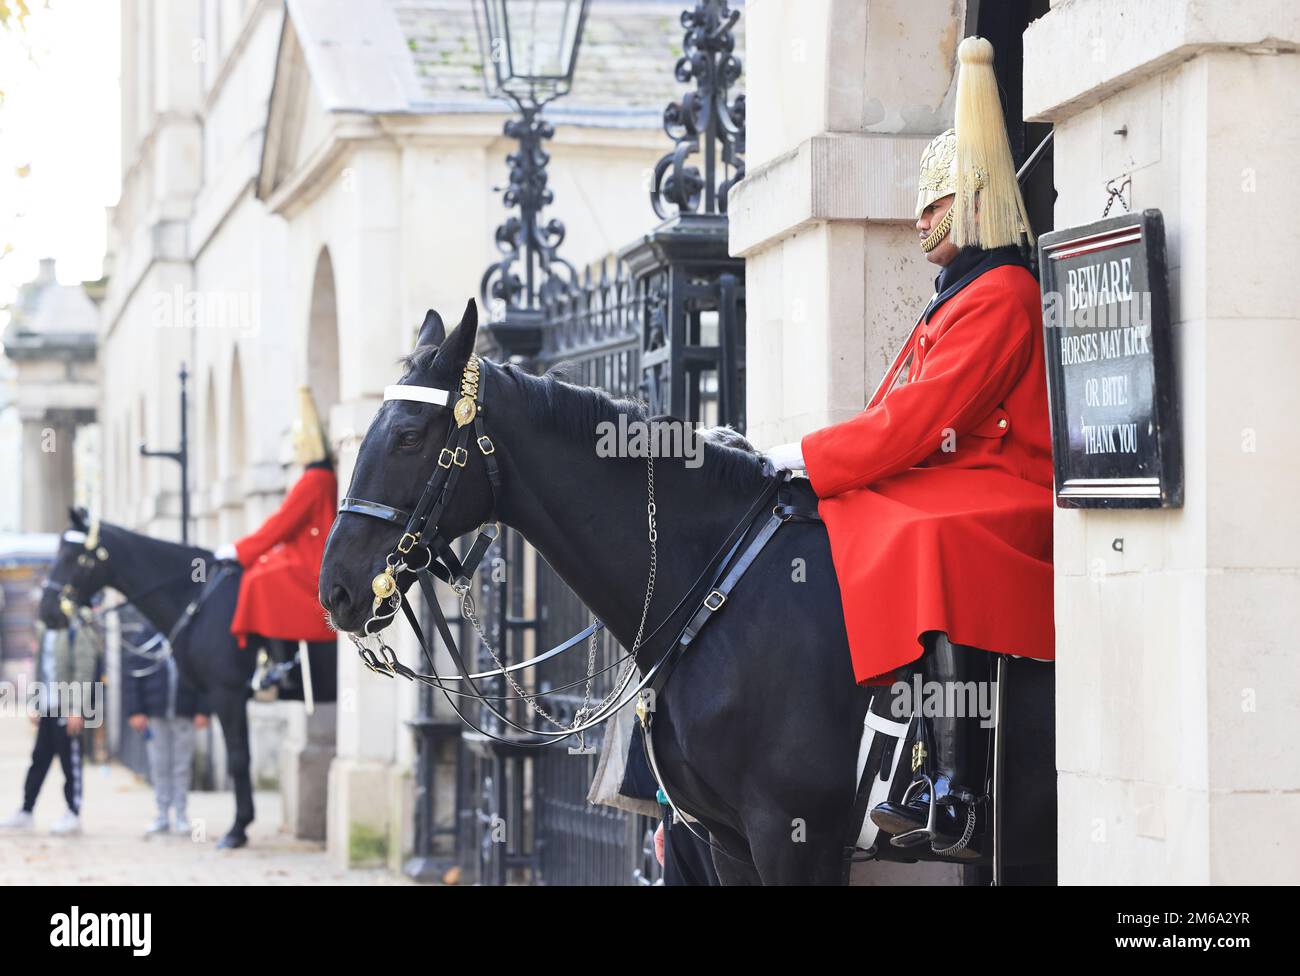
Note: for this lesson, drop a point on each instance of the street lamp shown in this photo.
(181, 456)
(530, 51)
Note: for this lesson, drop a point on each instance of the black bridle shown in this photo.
(420, 526)
(421, 531)
(434, 557)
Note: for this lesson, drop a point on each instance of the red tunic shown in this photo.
(956, 539)
(281, 560)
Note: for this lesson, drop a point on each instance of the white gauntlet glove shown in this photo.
(786, 457)
(226, 553)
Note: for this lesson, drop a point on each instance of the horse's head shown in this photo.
(399, 454)
(79, 571)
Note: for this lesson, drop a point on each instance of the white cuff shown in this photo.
(787, 457)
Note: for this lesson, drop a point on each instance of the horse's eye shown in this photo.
(409, 438)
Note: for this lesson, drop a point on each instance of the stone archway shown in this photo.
(323, 337)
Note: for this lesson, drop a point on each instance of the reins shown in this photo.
(421, 537)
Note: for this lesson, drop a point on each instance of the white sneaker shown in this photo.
(69, 823)
(159, 825)
(22, 820)
(184, 827)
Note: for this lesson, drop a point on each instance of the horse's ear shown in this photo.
(432, 332)
(80, 518)
(460, 344)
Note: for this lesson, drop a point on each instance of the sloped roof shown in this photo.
(48, 315)
(421, 57)
(625, 65)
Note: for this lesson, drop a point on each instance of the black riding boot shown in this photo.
(950, 759)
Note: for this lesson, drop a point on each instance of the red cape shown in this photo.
(281, 560)
(938, 496)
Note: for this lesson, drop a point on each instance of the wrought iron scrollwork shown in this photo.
(530, 269)
(705, 116)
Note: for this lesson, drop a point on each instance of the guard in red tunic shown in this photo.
(938, 496)
(278, 600)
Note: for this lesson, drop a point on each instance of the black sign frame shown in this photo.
(1159, 483)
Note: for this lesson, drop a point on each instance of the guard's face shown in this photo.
(933, 215)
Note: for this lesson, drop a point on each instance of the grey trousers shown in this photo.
(171, 754)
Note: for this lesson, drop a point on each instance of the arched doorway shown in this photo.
(323, 337)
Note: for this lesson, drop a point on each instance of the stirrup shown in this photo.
(921, 835)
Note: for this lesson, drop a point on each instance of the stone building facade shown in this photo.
(301, 180)
(1176, 686)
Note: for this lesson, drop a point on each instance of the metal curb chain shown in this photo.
(965, 836)
(468, 611)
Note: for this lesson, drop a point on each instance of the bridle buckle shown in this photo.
(460, 457)
(485, 444)
(406, 543)
(719, 596)
(446, 457)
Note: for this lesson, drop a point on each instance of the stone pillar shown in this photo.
(842, 97)
(49, 476)
(305, 759)
(360, 815)
(1178, 688)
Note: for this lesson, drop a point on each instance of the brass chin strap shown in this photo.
(938, 233)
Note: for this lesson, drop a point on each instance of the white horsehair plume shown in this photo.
(990, 211)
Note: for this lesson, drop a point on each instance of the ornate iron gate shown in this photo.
(666, 324)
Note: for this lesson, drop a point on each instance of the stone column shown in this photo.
(842, 97)
(1178, 687)
(360, 818)
(49, 478)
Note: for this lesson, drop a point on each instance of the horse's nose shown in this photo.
(337, 601)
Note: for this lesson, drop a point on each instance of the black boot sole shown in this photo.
(892, 819)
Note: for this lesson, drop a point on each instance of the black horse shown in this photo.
(162, 579)
(758, 729)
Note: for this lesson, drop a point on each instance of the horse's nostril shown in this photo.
(338, 597)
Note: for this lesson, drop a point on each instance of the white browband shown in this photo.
(73, 536)
(421, 394)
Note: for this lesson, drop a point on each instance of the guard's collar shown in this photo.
(969, 264)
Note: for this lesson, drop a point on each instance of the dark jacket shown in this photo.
(153, 686)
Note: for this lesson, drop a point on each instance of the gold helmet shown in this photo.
(308, 437)
(973, 162)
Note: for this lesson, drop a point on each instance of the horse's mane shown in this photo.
(164, 547)
(577, 410)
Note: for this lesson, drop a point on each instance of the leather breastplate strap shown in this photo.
(729, 573)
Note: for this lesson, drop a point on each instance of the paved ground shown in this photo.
(112, 848)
